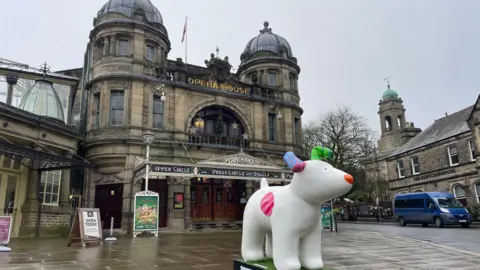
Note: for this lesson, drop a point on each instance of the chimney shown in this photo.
(446, 114)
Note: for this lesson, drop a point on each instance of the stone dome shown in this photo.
(42, 99)
(267, 44)
(128, 8)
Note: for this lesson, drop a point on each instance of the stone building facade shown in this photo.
(38, 151)
(442, 157)
(197, 114)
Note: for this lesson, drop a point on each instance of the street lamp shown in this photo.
(148, 139)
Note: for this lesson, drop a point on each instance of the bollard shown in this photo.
(111, 238)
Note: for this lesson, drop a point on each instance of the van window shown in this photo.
(449, 203)
(415, 203)
(411, 203)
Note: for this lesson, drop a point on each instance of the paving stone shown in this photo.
(198, 251)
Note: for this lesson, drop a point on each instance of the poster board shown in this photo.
(326, 216)
(178, 200)
(145, 216)
(5, 230)
(86, 227)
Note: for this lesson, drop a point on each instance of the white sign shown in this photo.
(91, 225)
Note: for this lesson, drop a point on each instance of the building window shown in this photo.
(471, 150)
(272, 127)
(296, 126)
(116, 108)
(477, 189)
(101, 50)
(96, 103)
(460, 194)
(272, 78)
(452, 155)
(399, 121)
(122, 47)
(415, 165)
(388, 123)
(50, 187)
(291, 80)
(150, 53)
(400, 168)
(158, 111)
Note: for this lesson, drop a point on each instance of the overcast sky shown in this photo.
(429, 48)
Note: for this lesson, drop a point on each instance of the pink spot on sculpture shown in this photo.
(299, 167)
(267, 203)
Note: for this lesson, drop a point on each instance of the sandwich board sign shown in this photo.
(5, 231)
(86, 227)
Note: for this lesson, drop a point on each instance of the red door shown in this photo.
(204, 209)
(230, 203)
(218, 203)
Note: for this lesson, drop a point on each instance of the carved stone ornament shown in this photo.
(139, 161)
(108, 179)
(238, 159)
(219, 68)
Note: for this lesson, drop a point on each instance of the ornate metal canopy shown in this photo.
(48, 161)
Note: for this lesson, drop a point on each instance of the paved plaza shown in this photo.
(347, 249)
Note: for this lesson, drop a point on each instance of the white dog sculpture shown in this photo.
(288, 218)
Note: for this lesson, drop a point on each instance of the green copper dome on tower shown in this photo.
(389, 93)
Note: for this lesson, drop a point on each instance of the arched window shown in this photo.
(460, 194)
(477, 191)
(399, 121)
(388, 123)
(217, 121)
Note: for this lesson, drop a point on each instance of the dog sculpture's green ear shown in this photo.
(321, 153)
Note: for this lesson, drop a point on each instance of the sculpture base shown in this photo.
(261, 265)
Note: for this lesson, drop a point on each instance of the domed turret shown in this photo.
(267, 44)
(42, 99)
(129, 8)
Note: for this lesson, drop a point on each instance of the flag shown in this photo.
(184, 30)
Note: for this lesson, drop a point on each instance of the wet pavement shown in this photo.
(456, 237)
(348, 249)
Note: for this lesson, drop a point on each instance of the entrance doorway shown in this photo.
(109, 199)
(160, 187)
(213, 200)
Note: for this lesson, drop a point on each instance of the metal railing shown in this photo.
(218, 141)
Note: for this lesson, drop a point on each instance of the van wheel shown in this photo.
(425, 225)
(402, 222)
(465, 225)
(438, 222)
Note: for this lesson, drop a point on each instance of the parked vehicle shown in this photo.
(438, 208)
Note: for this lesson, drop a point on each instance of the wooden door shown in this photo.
(160, 187)
(218, 203)
(109, 199)
(204, 209)
(193, 203)
(230, 203)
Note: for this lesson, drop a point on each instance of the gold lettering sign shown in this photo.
(220, 86)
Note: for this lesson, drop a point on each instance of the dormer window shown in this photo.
(150, 53)
(272, 78)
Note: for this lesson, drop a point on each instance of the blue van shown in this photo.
(439, 208)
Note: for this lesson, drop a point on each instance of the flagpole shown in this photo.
(186, 39)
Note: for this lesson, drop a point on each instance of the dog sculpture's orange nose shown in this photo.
(348, 178)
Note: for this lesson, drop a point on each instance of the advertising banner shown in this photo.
(5, 229)
(146, 212)
(326, 216)
(91, 224)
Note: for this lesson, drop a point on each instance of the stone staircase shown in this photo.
(216, 225)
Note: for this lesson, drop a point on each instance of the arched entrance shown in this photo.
(218, 126)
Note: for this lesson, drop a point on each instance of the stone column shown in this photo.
(261, 77)
(175, 217)
(248, 188)
(30, 206)
(65, 186)
(113, 46)
(186, 203)
(12, 81)
(106, 46)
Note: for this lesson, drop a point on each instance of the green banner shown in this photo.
(146, 213)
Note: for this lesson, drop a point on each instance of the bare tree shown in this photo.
(343, 131)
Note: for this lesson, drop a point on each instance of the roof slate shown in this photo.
(441, 129)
